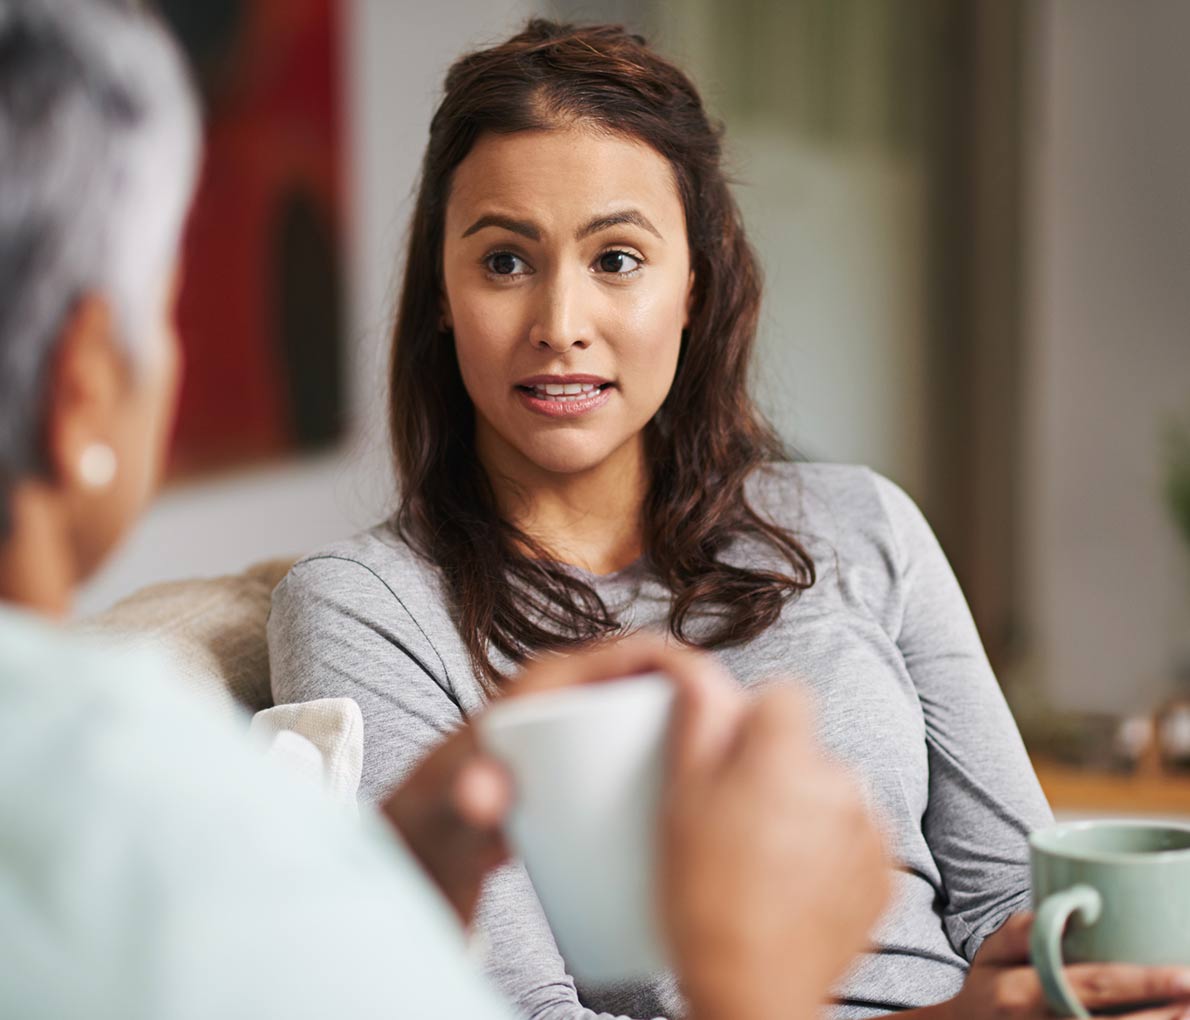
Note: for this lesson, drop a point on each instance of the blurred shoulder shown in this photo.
(107, 734)
(136, 816)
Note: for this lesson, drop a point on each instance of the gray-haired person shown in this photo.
(150, 864)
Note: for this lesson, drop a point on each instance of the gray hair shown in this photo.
(99, 148)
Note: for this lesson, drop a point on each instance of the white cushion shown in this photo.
(333, 727)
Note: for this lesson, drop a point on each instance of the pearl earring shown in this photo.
(97, 466)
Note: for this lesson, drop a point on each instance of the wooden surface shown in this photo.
(1149, 790)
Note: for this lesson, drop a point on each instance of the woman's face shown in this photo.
(567, 286)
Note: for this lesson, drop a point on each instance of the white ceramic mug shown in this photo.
(587, 763)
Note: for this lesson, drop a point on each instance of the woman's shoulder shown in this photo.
(52, 667)
(814, 489)
(378, 556)
(849, 507)
(374, 575)
(77, 709)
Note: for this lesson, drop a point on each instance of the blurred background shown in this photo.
(974, 220)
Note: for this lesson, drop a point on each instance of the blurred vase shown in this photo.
(1181, 627)
(1173, 735)
(1173, 723)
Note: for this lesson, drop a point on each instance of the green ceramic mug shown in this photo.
(1108, 892)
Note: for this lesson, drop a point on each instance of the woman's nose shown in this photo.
(562, 320)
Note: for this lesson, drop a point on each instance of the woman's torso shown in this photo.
(839, 638)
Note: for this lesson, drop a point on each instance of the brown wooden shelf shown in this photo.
(1149, 790)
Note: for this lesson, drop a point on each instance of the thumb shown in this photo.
(482, 794)
(1009, 945)
(708, 708)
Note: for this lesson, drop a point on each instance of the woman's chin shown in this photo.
(518, 446)
(563, 458)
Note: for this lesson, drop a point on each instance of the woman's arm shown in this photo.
(337, 630)
(984, 798)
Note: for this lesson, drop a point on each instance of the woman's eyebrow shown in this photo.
(522, 227)
(527, 228)
(631, 216)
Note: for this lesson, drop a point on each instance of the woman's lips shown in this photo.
(572, 408)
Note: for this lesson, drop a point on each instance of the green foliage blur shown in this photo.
(1177, 477)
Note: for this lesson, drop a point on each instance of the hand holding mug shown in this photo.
(1002, 984)
(774, 870)
(771, 871)
(450, 812)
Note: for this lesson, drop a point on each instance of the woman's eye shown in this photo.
(505, 263)
(618, 262)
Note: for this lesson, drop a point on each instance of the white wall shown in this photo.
(395, 57)
(837, 216)
(841, 367)
(1110, 351)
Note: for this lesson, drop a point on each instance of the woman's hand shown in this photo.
(773, 870)
(1003, 985)
(449, 811)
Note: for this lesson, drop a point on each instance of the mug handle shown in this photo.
(1045, 943)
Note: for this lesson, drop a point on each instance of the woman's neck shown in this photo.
(35, 566)
(589, 519)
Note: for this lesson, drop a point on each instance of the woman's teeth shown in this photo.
(564, 392)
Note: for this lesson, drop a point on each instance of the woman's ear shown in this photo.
(689, 299)
(86, 385)
(445, 322)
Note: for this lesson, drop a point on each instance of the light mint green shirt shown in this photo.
(153, 865)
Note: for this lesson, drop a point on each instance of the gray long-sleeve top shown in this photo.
(885, 642)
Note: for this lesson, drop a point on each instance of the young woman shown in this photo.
(578, 455)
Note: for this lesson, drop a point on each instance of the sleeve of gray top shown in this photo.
(337, 630)
(984, 797)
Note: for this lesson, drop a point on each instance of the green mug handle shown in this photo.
(1045, 943)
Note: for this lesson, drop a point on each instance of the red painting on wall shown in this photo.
(261, 309)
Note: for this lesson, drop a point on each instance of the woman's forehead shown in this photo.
(560, 179)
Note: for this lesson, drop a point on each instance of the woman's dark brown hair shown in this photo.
(508, 593)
